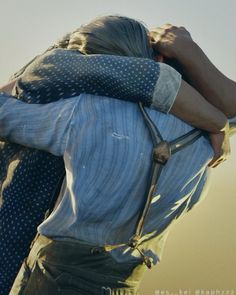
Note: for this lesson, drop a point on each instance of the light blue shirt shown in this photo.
(107, 148)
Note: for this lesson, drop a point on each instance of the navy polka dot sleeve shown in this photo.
(64, 73)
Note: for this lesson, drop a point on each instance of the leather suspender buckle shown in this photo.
(162, 152)
(134, 244)
(133, 241)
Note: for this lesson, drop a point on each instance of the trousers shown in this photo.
(75, 268)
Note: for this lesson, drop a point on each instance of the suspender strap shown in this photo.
(185, 140)
(162, 151)
(160, 155)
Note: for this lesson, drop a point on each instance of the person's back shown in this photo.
(107, 152)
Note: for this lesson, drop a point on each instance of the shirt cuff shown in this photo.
(166, 88)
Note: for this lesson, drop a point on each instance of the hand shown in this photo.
(221, 146)
(169, 41)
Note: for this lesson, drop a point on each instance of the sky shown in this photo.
(200, 250)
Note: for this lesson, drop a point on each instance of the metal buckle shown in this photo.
(133, 241)
(161, 153)
(146, 260)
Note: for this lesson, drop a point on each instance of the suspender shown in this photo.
(162, 151)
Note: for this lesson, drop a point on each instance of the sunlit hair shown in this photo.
(117, 35)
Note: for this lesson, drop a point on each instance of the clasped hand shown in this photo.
(171, 42)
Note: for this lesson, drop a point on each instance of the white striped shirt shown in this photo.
(106, 148)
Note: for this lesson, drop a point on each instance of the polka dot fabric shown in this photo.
(28, 178)
(64, 73)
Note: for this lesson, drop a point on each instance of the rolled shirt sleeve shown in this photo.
(65, 73)
(166, 88)
(41, 126)
(133, 79)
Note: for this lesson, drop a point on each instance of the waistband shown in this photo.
(90, 266)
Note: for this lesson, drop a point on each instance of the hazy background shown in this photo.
(200, 253)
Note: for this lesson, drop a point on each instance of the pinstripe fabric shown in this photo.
(107, 149)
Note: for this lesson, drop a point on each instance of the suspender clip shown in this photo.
(133, 241)
(146, 260)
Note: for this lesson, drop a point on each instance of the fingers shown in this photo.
(155, 33)
(169, 40)
(221, 147)
(168, 28)
(219, 158)
(216, 161)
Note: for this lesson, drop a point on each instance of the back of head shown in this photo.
(116, 35)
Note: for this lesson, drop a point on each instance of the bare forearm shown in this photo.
(192, 108)
(219, 90)
(210, 99)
